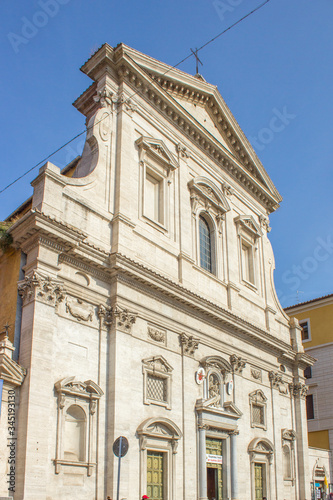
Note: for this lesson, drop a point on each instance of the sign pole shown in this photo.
(119, 461)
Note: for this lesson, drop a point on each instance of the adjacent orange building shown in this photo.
(316, 319)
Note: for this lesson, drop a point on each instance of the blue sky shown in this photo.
(276, 62)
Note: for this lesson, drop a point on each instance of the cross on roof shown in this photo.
(195, 53)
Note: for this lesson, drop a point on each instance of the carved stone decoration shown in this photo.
(257, 396)
(125, 103)
(256, 374)
(214, 396)
(247, 224)
(227, 190)
(238, 364)
(206, 195)
(298, 390)
(264, 223)
(261, 448)
(104, 98)
(275, 378)
(156, 334)
(218, 363)
(42, 288)
(70, 387)
(105, 314)
(157, 364)
(104, 126)
(79, 310)
(124, 318)
(277, 382)
(288, 434)
(182, 151)
(188, 343)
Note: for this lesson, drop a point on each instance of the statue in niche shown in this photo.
(214, 396)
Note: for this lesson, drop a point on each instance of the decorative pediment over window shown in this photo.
(69, 386)
(257, 397)
(262, 446)
(157, 150)
(77, 404)
(247, 224)
(204, 193)
(158, 364)
(159, 429)
(216, 362)
(288, 435)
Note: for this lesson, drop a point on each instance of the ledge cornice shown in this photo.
(124, 266)
(147, 77)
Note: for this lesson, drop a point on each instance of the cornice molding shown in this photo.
(126, 269)
(146, 76)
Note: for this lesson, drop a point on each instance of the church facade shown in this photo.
(148, 309)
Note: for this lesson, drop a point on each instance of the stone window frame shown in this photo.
(288, 438)
(305, 321)
(212, 237)
(86, 395)
(248, 232)
(222, 369)
(160, 435)
(209, 202)
(258, 398)
(157, 366)
(261, 451)
(158, 162)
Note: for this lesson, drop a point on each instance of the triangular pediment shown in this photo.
(209, 191)
(157, 363)
(248, 224)
(196, 108)
(158, 149)
(257, 396)
(231, 408)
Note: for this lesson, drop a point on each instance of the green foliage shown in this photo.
(5, 238)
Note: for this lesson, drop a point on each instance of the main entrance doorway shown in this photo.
(155, 475)
(214, 468)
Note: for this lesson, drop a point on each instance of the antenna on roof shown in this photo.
(297, 293)
(195, 53)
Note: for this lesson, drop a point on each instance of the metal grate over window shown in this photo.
(258, 415)
(156, 388)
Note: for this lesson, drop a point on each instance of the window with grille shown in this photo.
(157, 382)
(258, 414)
(258, 404)
(156, 388)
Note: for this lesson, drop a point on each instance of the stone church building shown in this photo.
(147, 308)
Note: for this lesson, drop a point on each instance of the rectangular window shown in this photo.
(305, 330)
(153, 198)
(309, 407)
(155, 475)
(247, 263)
(156, 388)
(308, 372)
(258, 414)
